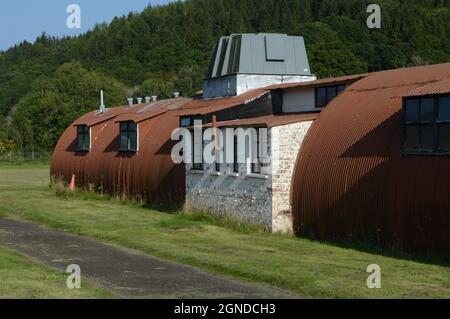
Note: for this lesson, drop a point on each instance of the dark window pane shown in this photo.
(427, 110)
(412, 140)
(123, 141)
(340, 88)
(427, 138)
(83, 138)
(185, 122)
(235, 164)
(321, 97)
(412, 110)
(331, 93)
(133, 141)
(444, 137)
(444, 109)
(79, 137)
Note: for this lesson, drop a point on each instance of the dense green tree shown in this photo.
(53, 103)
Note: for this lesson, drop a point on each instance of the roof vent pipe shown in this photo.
(102, 103)
(154, 98)
(147, 99)
(130, 102)
(176, 94)
(139, 100)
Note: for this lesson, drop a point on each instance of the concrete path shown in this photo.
(124, 272)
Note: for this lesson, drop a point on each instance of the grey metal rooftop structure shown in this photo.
(263, 53)
(242, 62)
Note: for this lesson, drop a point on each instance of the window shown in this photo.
(235, 54)
(128, 137)
(427, 125)
(256, 167)
(326, 94)
(235, 155)
(185, 121)
(197, 155)
(218, 153)
(443, 124)
(83, 138)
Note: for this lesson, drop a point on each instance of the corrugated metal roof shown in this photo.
(437, 87)
(321, 82)
(148, 175)
(351, 181)
(205, 106)
(268, 121)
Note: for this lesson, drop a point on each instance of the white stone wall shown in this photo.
(286, 142)
(260, 200)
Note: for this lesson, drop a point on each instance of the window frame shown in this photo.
(338, 89)
(258, 155)
(86, 131)
(235, 154)
(197, 166)
(435, 123)
(129, 148)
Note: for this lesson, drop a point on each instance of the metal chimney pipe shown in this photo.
(102, 103)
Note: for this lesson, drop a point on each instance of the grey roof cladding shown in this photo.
(263, 53)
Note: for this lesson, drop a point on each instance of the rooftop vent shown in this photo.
(154, 98)
(242, 62)
(139, 100)
(176, 94)
(102, 108)
(147, 99)
(130, 102)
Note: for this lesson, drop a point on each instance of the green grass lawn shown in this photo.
(21, 278)
(307, 268)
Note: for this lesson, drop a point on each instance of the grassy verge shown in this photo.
(307, 268)
(22, 278)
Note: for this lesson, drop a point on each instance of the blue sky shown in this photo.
(26, 19)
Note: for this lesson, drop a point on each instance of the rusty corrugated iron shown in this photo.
(351, 181)
(267, 121)
(149, 174)
(437, 87)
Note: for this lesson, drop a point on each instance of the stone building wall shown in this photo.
(258, 199)
(286, 142)
(245, 197)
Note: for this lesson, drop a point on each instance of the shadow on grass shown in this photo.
(439, 259)
(179, 219)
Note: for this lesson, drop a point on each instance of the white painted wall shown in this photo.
(299, 100)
